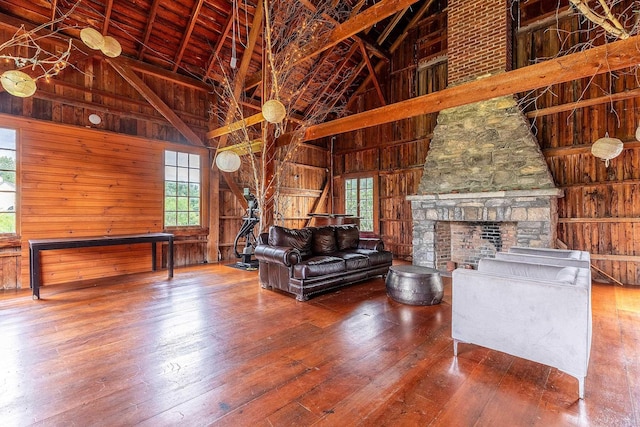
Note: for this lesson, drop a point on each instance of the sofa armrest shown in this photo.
(372, 244)
(284, 255)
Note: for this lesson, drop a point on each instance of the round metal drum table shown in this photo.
(415, 285)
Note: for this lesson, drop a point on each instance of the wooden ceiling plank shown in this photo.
(249, 121)
(153, 99)
(187, 34)
(609, 57)
(147, 31)
(372, 73)
(107, 17)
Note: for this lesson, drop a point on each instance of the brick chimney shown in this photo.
(479, 39)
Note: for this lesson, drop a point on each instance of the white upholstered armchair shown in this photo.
(530, 310)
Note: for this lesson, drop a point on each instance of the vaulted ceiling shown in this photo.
(207, 40)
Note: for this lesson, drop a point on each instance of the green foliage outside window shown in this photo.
(8, 181)
(182, 191)
(359, 201)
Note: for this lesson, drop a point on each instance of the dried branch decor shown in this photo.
(608, 21)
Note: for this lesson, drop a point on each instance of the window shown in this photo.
(359, 201)
(182, 191)
(7, 181)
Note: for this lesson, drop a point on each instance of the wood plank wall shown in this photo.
(600, 211)
(395, 153)
(303, 177)
(76, 182)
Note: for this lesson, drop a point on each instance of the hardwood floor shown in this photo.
(210, 347)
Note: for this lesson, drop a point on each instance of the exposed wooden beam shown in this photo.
(195, 12)
(373, 48)
(218, 47)
(335, 76)
(570, 106)
(54, 9)
(414, 21)
(153, 99)
(394, 22)
(107, 17)
(353, 26)
(372, 73)
(147, 31)
(232, 127)
(165, 75)
(597, 60)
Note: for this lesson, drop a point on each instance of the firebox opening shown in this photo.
(465, 243)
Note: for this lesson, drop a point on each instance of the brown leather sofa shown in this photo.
(311, 260)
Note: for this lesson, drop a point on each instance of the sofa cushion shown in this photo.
(347, 237)
(376, 257)
(318, 266)
(323, 241)
(298, 239)
(353, 260)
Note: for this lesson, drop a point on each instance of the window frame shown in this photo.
(16, 205)
(375, 199)
(201, 181)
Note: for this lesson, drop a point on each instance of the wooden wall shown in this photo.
(394, 153)
(75, 182)
(600, 211)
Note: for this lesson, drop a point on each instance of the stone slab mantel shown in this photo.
(507, 194)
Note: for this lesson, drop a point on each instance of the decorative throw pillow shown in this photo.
(298, 239)
(347, 237)
(324, 241)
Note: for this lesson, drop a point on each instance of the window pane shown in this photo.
(8, 138)
(7, 222)
(182, 189)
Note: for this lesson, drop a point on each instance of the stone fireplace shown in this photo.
(484, 176)
(486, 185)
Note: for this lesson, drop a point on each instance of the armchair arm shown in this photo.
(373, 244)
(284, 255)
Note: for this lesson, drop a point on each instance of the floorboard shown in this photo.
(210, 347)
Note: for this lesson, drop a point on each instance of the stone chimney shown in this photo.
(484, 169)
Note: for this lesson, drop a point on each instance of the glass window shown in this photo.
(359, 201)
(182, 192)
(8, 181)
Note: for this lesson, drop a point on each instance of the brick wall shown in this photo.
(479, 34)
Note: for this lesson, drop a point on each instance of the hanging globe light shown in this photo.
(18, 83)
(607, 148)
(273, 111)
(92, 38)
(112, 47)
(228, 161)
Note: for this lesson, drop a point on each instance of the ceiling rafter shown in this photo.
(54, 9)
(335, 75)
(414, 21)
(107, 16)
(218, 48)
(195, 12)
(353, 26)
(153, 99)
(372, 72)
(608, 57)
(149, 28)
(316, 69)
(364, 20)
(392, 25)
